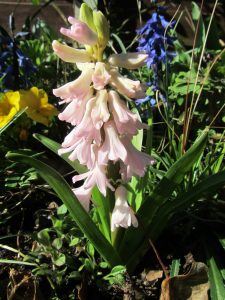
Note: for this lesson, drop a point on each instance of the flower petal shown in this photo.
(122, 215)
(128, 60)
(126, 86)
(69, 54)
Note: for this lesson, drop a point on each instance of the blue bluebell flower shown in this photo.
(156, 41)
(25, 62)
(15, 66)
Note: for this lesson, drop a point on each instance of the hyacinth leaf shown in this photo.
(219, 162)
(216, 280)
(134, 243)
(78, 213)
(215, 265)
(54, 146)
(100, 201)
(102, 207)
(166, 211)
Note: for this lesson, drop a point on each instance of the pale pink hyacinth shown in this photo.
(104, 124)
(122, 215)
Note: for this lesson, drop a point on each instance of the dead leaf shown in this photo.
(154, 275)
(191, 286)
(82, 288)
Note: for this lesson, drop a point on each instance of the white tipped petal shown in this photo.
(69, 54)
(128, 60)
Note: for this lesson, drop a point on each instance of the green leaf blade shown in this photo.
(81, 217)
(135, 239)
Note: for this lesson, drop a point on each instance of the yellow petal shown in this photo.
(9, 106)
(38, 108)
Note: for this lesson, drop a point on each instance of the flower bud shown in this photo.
(128, 60)
(102, 28)
(80, 32)
(86, 16)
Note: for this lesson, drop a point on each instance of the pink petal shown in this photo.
(78, 88)
(126, 86)
(84, 196)
(112, 147)
(100, 113)
(100, 76)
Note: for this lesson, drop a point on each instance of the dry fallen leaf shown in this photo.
(154, 275)
(192, 286)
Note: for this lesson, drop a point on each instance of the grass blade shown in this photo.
(175, 268)
(54, 146)
(16, 262)
(217, 289)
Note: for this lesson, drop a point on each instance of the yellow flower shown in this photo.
(38, 108)
(9, 106)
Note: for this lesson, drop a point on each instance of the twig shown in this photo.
(166, 273)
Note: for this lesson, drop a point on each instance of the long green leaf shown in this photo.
(217, 289)
(102, 206)
(135, 238)
(100, 201)
(54, 146)
(83, 220)
(166, 211)
(216, 280)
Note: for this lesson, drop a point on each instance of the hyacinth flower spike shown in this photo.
(104, 124)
